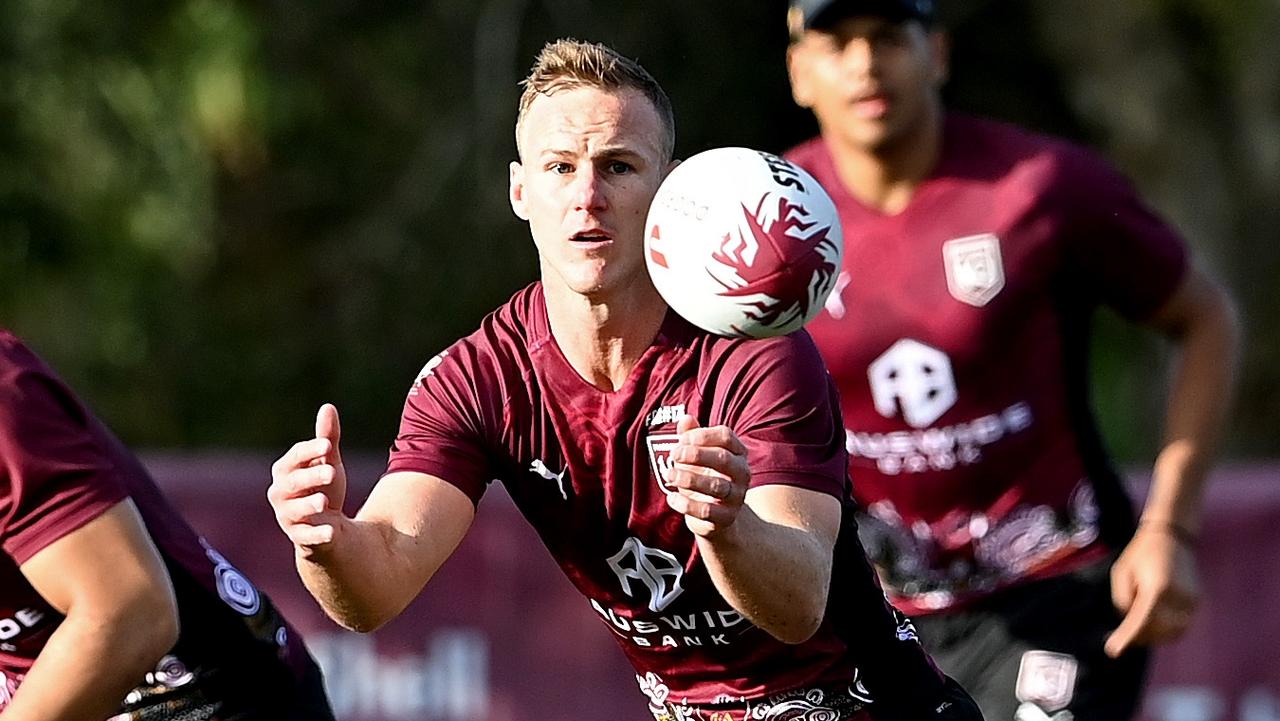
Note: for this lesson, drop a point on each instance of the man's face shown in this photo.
(591, 163)
(869, 80)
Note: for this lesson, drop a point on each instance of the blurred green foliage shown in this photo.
(215, 215)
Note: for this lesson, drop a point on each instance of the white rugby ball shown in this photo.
(743, 243)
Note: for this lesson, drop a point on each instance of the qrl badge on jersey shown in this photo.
(975, 272)
(1046, 679)
(660, 446)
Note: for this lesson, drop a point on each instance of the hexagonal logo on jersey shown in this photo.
(913, 379)
(975, 272)
(658, 571)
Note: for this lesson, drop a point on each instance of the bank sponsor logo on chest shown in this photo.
(23, 620)
(917, 382)
(975, 272)
(1046, 679)
(660, 446)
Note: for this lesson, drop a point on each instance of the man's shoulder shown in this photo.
(24, 377)
(519, 321)
(809, 154)
(983, 139)
(15, 356)
(793, 352)
(499, 348)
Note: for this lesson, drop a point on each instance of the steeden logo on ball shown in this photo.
(743, 243)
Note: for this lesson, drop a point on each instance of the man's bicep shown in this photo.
(101, 564)
(1196, 296)
(801, 508)
(426, 515)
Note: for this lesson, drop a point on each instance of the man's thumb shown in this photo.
(328, 426)
(686, 423)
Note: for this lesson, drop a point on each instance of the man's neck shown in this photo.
(603, 340)
(886, 178)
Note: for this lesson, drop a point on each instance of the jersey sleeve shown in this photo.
(54, 475)
(1122, 251)
(778, 397)
(443, 429)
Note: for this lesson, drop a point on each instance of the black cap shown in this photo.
(806, 14)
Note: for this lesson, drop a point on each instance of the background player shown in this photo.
(975, 255)
(109, 602)
(690, 486)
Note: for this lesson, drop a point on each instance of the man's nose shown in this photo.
(858, 56)
(589, 190)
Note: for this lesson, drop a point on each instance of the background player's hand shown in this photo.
(710, 473)
(309, 485)
(1154, 584)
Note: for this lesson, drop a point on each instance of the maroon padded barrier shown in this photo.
(500, 635)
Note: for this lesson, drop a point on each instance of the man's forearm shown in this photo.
(1199, 398)
(774, 575)
(360, 580)
(88, 666)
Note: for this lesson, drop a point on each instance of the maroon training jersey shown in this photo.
(958, 338)
(60, 469)
(585, 468)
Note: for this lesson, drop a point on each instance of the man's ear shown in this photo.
(670, 167)
(797, 71)
(516, 190)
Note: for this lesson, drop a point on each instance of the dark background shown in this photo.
(215, 215)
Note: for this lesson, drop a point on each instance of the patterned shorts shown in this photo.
(828, 703)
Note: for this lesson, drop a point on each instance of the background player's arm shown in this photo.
(364, 570)
(109, 581)
(1154, 579)
(768, 549)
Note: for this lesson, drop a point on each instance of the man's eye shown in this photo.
(618, 167)
(890, 38)
(828, 46)
(560, 168)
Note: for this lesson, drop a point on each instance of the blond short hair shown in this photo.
(569, 63)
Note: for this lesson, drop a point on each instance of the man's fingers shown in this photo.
(300, 482)
(714, 486)
(299, 510)
(717, 436)
(1133, 627)
(307, 521)
(686, 423)
(720, 460)
(301, 455)
(303, 535)
(1123, 588)
(716, 449)
(716, 514)
(303, 478)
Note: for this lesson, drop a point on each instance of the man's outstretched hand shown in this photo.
(309, 485)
